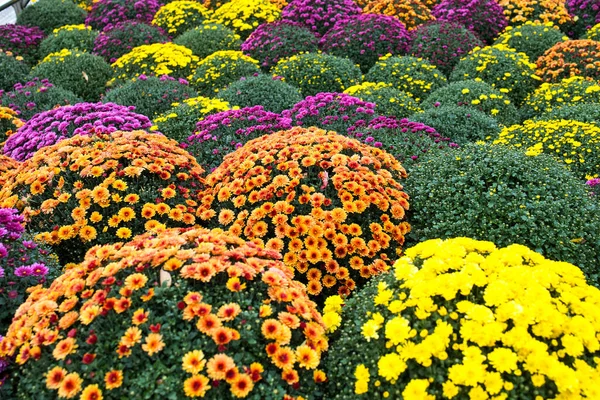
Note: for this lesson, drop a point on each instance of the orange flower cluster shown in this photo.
(411, 13)
(9, 123)
(100, 189)
(570, 58)
(7, 167)
(247, 325)
(540, 11)
(332, 205)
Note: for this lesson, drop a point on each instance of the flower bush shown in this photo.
(571, 58)
(155, 59)
(105, 14)
(9, 123)
(574, 143)
(48, 15)
(222, 133)
(101, 189)
(485, 18)
(121, 38)
(319, 15)
(245, 348)
(336, 112)
(72, 37)
(442, 43)
(332, 205)
(410, 12)
(7, 167)
(243, 16)
(587, 13)
(14, 70)
(501, 67)
(23, 264)
(220, 69)
(593, 33)
(407, 141)
(151, 96)
(462, 124)
(505, 196)
(274, 41)
(461, 318)
(570, 91)
(531, 38)
(180, 121)
(36, 96)
(21, 41)
(261, 90)
(388, 100)
(476, 94)
(364, 38)
(520, 11)
(50, 127)
(314, 73)
(82, 73)
(589, 113)
(208, 38)
(412, 75)
(179, 16)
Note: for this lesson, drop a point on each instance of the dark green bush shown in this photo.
(589, 113)
(13, 71)
(261, 90)
(531, 38)
(72, 39)
(221, 68)
(206, 39)
(51, 14)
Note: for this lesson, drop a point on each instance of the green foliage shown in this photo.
(388, 100)
(261, 90)
(221, 68)
(589, 113)
(209, 38)
(494, 193)
(72, 39)
(51, 14)
(13, 71)
(531, 38)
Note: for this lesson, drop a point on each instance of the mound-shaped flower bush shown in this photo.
(333, 206)
(222, 133)
(180, 121)
(49, 127)
(99, 189)
(463, 318)
(593, 33)
(411, 13)
(409, 74)
(570, 91)
(23, 264)
(319, 15)
(388, 100)
(35, 96)
(314, 73)
(579, 112)
(208, 38)
(220, 69)
(51, 14)
(261, 90)
(107, 13)
(570, 58)
(531, 38)
(14, 70)
(209, 332)
(485, 18)
(73, 37)
(21, 41)
(120, 39)
(501, 67)
(495, 193)
(243, 16)
(476, 94)
(82, 73)
(442, 43)
(365, 38)
(274, 41)
(518, 11)
(9, 123)
(156, 59)
(177, 17)
(151, 96)
(574, 143)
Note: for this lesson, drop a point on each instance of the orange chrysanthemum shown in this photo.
(70, 385)
(219, 365)
(193, 362)
(196, 386)
(55, 377)
(154, 344)
(113, 379)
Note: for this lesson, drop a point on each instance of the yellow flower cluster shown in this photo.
(332, 312)
(486, 323)
(574, 143)
(219, 69)
(80, 27)
(520, 11)
(376, 92)
(593, 33)
(156, 59)
(202, 105)
(7, 167)
(58, 56)
(9, 123)
(177, 17)
(243, 16)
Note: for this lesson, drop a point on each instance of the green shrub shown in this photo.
(501, 67)
(221, 68)
(589, 113)
(531, 38)
(51, 14)
(491, 192)
(476, 94)
(70, 37)
(206, 39)
(410, 74)
(84, 74)
(314, 73)
(261, 90)
(13, 70)
(461, 124)
(151, 96)
(388, 100)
